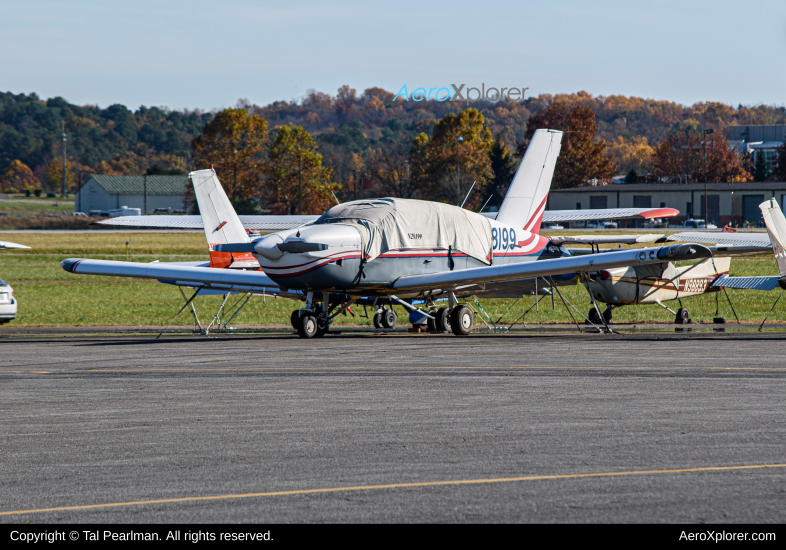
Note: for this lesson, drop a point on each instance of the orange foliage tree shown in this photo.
(18, 176)
(296, 180)
(681, 158)
(581, 157)
(234, 142)
(444, 167)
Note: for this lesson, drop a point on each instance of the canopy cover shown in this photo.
(404, 224)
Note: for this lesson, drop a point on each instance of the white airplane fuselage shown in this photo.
(340, 265)
(628, 285)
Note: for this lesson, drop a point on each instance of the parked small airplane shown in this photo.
(776, 230)
(5, 245)
(392, 250)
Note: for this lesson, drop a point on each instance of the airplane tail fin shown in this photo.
(525, 200)
(222, 226)
(776, 227)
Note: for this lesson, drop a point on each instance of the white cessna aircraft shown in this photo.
(396, 249)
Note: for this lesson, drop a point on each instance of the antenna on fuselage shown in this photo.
(468, 192)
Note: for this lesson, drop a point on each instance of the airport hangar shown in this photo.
(102, 192)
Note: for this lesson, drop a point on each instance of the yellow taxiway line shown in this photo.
(392, 486)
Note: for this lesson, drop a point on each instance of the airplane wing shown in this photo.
(556, 266)
(601, 214)
(5, 245)
(733, 239)
(605, 239)
(261, 223)
(182, 275)
(750, 283)
(607, 214)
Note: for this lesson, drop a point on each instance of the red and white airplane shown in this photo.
(394, 250)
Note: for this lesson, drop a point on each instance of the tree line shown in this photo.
(360, 145)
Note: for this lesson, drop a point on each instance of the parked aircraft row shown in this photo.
(386, 251)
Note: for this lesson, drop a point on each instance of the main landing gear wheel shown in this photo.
(442, 322)
(388, 319)
(378, 320)
(607, 315)
(293, 318)
(307, 326)
(461, 320)
(593, 317)
(683, 317)
(431, 324)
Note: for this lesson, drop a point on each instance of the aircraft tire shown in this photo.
(320, 332)
(442, 322)
(294, 317)
(388, 319)
(377, 320)
(307, 326)
(607, 315)
(461, 320)
(683, 317)
(432, 323)
(593, 317)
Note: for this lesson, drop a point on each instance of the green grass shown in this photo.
(49, 296)
(36, 208)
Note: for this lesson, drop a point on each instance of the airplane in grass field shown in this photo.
(641, 284)
(5, 245)
(394, 250)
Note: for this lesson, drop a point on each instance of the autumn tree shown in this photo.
(684, 157)
(503, 166)
(391, 171)
(581, 158)
(297, 183)
(54, 175)
(234, 143)
(633, 154)
(445, 165)
(18, 176)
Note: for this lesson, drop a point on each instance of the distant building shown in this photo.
(758, 140)
(735, 203)
(148, 193)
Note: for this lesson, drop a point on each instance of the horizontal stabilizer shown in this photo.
(260, 223)
(748, 283)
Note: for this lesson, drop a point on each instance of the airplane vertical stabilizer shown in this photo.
(525, 200)
(776, 227)
(220, 221)
(222, 226)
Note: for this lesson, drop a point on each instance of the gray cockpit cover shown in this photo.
(404, 224)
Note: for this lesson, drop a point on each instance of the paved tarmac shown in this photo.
(534, 427)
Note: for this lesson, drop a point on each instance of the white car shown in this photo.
(698, 224)
(7, 303)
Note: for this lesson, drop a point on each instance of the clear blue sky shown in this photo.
(207, 54)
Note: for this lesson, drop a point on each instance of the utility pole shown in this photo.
(79, 190)
(458, 173)
(706, 212)
(63, 190)
(144, 194)
(300, 184)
